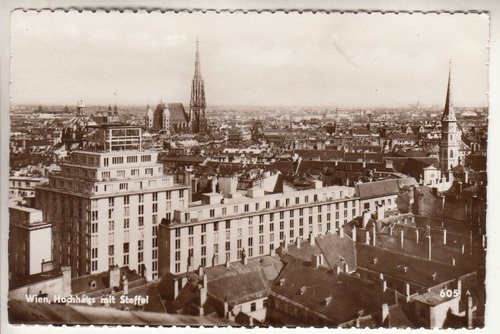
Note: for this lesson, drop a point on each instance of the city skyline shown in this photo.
(342, 64)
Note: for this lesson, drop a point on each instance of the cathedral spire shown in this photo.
(449, 112)
(197, 71)
(197, 104)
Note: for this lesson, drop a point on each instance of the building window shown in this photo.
(145, 158)
(216, 226)
(141, 198)
(141, 221)
(228, 245)
(111, 250)
(126, 259)
(132, 159)
(191, 230)
(117, 160)
(253, 307)
(228, 224)
(191, 241)
(271, 227)
(261, 250)
(261, 228)
(181, 193)
(177, 243)
(268, 204)
(106, 162)
(111, 225)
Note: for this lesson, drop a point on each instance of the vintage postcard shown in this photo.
(251, 169)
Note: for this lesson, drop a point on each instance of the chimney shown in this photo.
(315, 261)
(228, 264)
(176, 288)
(311, 238)
(470, 323)
(417, 232)
(460, 188)
(402, 237)
(285, 245)
(430, 247)
(250, 321)
(444, 237)
(385, 313)
(380, 212)
(205, 281)
(374, 235)
(244, 258)
(114, 276)
(226, 308)
(200, 271)
(184, 280)
(391, 228)
(408, 290)
(366, 217)
(354, 233)
(203, 298)
(466, 177)
(125, 285)
(346, 267)
(272, 252)
(453, 262)
(367, 237)
(384, 286)
(341, 232)
(338, 269)
(298, 242)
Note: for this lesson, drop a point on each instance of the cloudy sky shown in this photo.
(347, 60)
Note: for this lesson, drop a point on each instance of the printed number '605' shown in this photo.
(449, 293)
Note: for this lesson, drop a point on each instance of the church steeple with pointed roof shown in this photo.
(450, 135)
(197, 104)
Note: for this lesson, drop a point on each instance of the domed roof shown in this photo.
(80, 104)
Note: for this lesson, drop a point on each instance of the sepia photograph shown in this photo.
(314, 169)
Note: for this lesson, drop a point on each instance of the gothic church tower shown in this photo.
(197, 104)
(450, 135)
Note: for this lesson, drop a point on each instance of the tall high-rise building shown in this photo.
(450, 134)
(106, 203)
(197, 104)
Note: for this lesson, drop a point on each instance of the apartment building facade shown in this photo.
(223, 230)
(106, 204)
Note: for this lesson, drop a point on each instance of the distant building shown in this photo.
(169, 118)
(172, 117)
(73, 133)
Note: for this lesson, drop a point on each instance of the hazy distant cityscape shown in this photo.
(189, 214)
